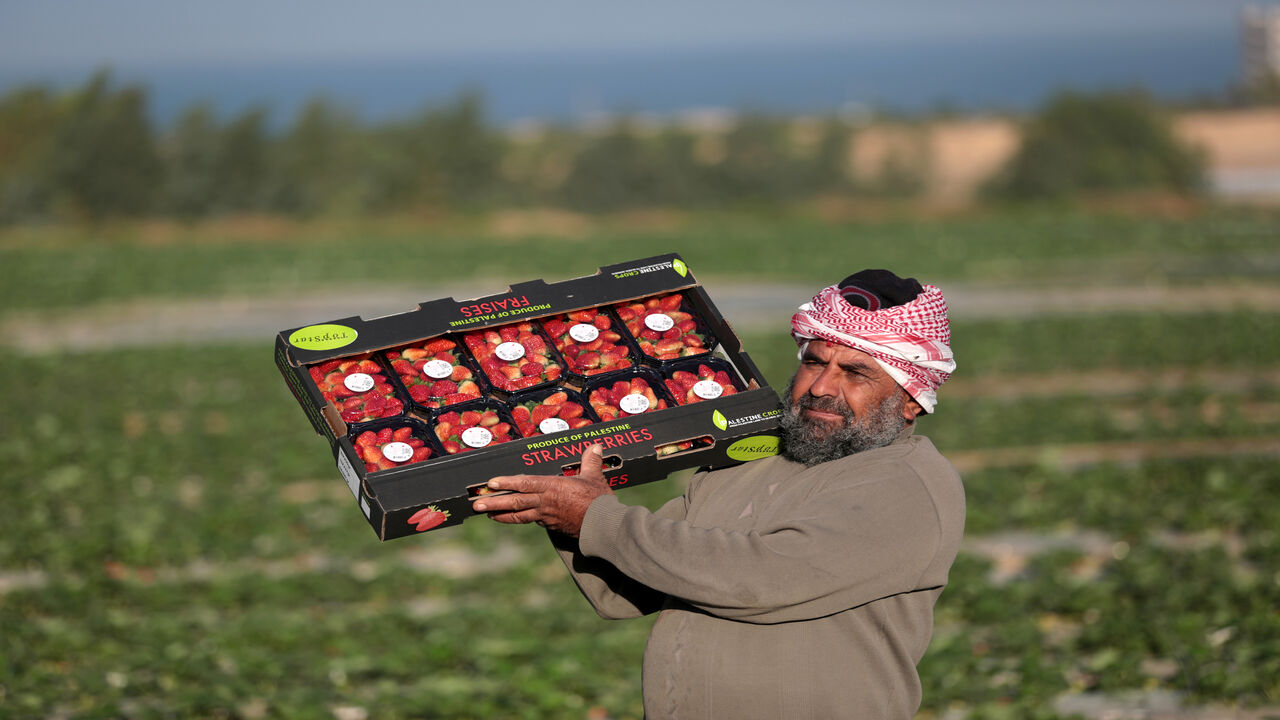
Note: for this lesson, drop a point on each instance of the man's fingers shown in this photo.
(520, 483)
(513, 502)
(593, 460)
(516, 518)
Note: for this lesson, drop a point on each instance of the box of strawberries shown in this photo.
(421, 408)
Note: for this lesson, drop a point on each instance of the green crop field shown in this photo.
(175, 542)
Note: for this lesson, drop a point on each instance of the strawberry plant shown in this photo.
(434, 373)
(358, 387)
(662, 328)
(589, 342)
(513, 357)
(390, 447)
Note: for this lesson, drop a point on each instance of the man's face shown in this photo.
(841, 402)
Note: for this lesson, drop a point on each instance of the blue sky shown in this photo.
(66, 35)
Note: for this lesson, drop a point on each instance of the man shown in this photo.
(799, 586)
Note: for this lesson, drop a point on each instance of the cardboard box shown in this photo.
(724, 430)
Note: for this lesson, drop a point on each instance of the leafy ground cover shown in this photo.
(175, 543)
(61, 268)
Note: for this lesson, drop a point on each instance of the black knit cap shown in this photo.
(878, 289)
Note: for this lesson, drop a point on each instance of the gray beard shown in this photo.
(811, 442)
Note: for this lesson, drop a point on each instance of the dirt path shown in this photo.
(750, 307)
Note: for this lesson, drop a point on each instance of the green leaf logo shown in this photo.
(720, 420)
(322, 337)
(680, 267)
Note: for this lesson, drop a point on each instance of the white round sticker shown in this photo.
(477, 437)
(358, 382)
(509, 351)
(634, 404)
(437, 369)
(584, 332)
(397, 451)
(659, 322)
(551, 425)
(708, 389)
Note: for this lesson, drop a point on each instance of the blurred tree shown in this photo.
(318, 163)
(240, 174)
(1106, 142)
(445, 158)
(29, 118)
(618, 169)
(103, 160)
(191, 157)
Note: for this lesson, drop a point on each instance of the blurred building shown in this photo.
(1260, 42)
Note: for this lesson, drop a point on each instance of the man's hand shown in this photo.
(553, 501)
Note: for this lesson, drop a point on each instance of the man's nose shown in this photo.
(826, 384)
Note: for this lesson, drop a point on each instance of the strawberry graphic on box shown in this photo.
(471, 429)
(707, 383)
(663, 328)
(513, 357)
(390, 447)
(621, 398)
(428, 517)
(589, 342)
(359, 389)
(434, 374)
(558, 411)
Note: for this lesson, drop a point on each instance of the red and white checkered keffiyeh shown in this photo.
(910, 341)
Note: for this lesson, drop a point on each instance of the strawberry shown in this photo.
(684, 385)
(452, 429)
(435, 366)
(588, 342)
(530, 415)
(358, 387)
(674, 336)
(531, 362)
(615, 400)
(428, 517)
(370, 447)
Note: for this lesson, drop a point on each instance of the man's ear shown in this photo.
(911, 409)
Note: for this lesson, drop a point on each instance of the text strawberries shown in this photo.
(470, 430)
(358, 387)
(513, 357)
(662, 329)
(434, 374)
(588, 342)
(390, 448)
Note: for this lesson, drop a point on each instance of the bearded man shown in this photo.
(799, 586)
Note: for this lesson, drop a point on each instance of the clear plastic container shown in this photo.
(592, 342)
(473, 426)
(435, 373)
(697, 380)
(550, 410)
(388, 445)
(664, 327)
(632, 393)
(515, 357)
(359, 387)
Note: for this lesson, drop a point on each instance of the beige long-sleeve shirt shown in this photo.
(784, 591)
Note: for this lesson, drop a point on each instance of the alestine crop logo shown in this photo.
(679, 266)
(719, 420)
(322, 337)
